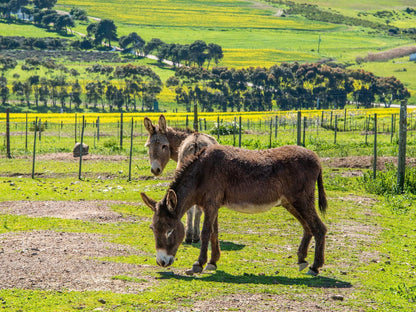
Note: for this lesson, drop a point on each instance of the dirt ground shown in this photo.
(68, 261)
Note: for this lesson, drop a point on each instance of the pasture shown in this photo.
(85, 244)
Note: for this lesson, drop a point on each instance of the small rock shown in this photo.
(338, 297)
(102, 301)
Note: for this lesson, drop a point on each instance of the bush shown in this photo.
(386, 181)
(225, 128)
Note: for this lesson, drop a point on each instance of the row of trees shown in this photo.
(197, 53)
(129, 86)
(288, 86)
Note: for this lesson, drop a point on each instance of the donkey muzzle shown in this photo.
(156, 168)
(163, 259)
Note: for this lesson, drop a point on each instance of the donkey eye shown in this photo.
(164, 147)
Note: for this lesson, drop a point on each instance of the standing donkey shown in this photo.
(166, 143)
(246, 181)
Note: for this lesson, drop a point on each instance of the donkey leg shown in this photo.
(303, 249)
(319, 231)
(197, 221)
(215, 248)
(306, 238)
(189, 226)
(209, 219)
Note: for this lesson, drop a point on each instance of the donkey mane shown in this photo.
(189, 162)
(186, 131)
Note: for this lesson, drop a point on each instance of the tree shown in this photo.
(79, 14)
(33, 81)
(4, 89)
(62, 22)
(44, 4)
(134, 42)
(44, 91)
(75, 94)
(197, 52)
(7, 63)
(18, 89)
(106, 31)
(215, 53)
(152, 45)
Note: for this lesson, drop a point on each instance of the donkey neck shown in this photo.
(186, 187)
(175, 138)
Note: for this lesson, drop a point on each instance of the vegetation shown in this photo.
(370, 242)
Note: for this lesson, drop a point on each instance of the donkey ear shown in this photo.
(148, 201)
(162, 124)
(148, 125)
(172, 200)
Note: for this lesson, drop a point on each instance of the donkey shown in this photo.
(246, 181)
(166, 143)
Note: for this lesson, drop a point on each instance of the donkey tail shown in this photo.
(323, 204)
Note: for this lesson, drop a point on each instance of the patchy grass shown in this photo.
(369, 256)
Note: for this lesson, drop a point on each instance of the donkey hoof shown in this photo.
(197, 268)
(195, 240)
(312, 272)
(188, 240)
(303, 266)
(210, 267)
(189, 272)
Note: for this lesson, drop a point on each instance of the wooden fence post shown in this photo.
(34, 149)
(304, 132)
(392, 128)
(195, 116)
(299, 130)
(98, 128)
(26, 135)
(8, 133)
(401, 166)
(81, 148)
(121, 131)
(375, 148)
(218, 127)
(131, 148)
(239, 132)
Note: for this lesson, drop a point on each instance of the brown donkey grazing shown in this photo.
(166, 143)
(246, 181)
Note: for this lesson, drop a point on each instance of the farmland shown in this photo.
(74, 232)
(72, 244)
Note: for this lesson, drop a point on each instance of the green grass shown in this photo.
(370, 241)
(25, 30)
(369, 266)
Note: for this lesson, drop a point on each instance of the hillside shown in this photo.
(252, 34)
(262, 34)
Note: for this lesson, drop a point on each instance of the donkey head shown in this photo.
(167, 227)
(158, 144)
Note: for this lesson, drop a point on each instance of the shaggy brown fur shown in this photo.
(166, 143)
(246, 181)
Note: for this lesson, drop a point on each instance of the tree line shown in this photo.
(124, 87)
(286, 86)
(132, 87)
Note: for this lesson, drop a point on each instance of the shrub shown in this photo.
(225, 128)
(386, 181)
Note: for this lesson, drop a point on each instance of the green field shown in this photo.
(241, 30)
(251, 34)
(369, 251)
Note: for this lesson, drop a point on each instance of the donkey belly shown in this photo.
(246, 207)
